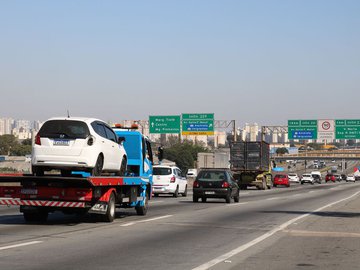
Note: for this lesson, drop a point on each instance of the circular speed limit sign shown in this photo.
(326, 125)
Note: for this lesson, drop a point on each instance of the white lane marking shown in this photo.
(21, 245)
(235, 204)
(312, 191)
(244, 193)
(143, 221)
(261, 238)
(274, 198)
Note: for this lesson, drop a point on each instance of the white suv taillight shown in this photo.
(37, 139)
(172, 179)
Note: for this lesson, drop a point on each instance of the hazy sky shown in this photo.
(252, 61)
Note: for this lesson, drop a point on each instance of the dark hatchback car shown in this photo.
(215, 183)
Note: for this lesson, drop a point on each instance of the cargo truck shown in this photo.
(81, 193)
(250, 164)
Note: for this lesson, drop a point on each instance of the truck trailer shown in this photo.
(250, 164)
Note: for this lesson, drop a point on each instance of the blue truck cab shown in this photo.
(139, 153)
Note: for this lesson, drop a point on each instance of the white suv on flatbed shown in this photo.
(77, 144)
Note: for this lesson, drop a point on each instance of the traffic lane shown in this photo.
(327, 239)
(181, 241)
(14, 229)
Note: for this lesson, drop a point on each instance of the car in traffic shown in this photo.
(281, 179)
(330, 178)
(307, 178)
(169, 180)
(294, 178)
(350, 178)
(317, 176)
(215, 183)
(338, 177)
(78, 144)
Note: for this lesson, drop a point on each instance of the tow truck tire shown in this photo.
(96, 171)
(142, 210)
(110, 212)
(36, 217)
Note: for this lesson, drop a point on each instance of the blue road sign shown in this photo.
(302, 134)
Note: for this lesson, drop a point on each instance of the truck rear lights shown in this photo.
(196, 184)
(37, 139)
(172, 179)
(225, 185)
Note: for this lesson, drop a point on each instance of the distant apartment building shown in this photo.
(25, 125)
(6, 125)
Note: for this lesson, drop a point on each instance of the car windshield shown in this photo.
(212, 176)
(161, 171)
(280, 176)
(306, 175)
(292, 174)
(64, 129)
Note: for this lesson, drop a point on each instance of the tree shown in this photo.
(26, 142)
(20, 150)
(184, 154)
(7, 142)
(282, 151)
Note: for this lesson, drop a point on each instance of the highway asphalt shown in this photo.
(301, 227)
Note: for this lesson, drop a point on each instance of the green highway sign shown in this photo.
(164, 124)
(347, 129)
(302, 129)
(198, 124)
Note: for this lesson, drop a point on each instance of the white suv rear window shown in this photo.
(67, 129)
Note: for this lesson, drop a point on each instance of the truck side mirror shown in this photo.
(121, 139)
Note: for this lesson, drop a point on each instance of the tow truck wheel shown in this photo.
(96, 171)
(142, 210)
(110, 213)
(38, 217)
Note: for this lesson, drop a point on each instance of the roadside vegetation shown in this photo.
(10, 145)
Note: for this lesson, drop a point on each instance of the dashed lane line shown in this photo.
(21, 245)
(143, 221)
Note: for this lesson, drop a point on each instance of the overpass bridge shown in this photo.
(352, 154)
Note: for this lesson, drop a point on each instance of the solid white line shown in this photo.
(21, 245)
(261, 238)
(143, 221)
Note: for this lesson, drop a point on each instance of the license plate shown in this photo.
(27, 191)
(61, 142)
(209, 192)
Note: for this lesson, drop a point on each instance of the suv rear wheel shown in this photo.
(96, 171)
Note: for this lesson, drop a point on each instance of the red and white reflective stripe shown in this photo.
(5, 201)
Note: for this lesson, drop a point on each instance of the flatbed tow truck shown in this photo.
(79, 194)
